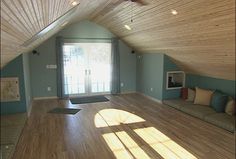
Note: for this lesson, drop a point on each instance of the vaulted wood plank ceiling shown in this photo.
(200, 38)
(23, 21)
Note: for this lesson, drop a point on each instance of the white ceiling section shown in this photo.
(200, 38)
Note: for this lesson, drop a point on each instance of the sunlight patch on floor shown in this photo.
(123, 146)
(116, 146)
(114, 117)
(166, 147)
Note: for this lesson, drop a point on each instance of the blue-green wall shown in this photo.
(128, 68)
(151, 73)
(41, 78)
(226, 86)
(169, 66)
(85, 29)
(15, 69)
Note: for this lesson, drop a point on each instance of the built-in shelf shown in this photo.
(175, 80)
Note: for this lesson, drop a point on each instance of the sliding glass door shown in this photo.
(87, 68)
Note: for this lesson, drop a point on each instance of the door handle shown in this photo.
(87, 72)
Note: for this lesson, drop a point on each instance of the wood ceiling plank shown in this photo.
(38, 16)
(208, 58)
(32, 28)
(96, 16)
(145, 38)
(30, 10)
(46, 13)
(68, 6)
(12, 19)
(126, 10)
(145, 13)
(63, 7)
(58, 7)
(50, 11)
(33, 5)
(6, 26)
(21, 15)
(167, 18)
(43, 10)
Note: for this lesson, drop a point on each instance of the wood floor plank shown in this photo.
(163, 133)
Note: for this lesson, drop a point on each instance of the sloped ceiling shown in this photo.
(200, 38)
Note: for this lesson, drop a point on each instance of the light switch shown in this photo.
(51, 66)
(49, 89)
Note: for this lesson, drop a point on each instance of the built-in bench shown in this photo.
(11, 128)
(205, 113)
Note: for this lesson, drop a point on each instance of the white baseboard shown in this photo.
(151, 98)
(43, 98)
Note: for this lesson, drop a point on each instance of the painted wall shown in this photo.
(169, 66)
(150, 74)
(226, 86)
(15, 69)
(85, 29)
(42, 78)
(127, 68)
(26, 68)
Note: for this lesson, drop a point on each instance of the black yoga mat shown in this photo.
(64, 111)
(92, 99)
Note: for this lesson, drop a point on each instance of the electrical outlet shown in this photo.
(122, 84)
(151, 89)
(49, 89)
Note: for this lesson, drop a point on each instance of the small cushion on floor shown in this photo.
(219, 101)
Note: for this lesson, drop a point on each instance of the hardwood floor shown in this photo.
(128, 126)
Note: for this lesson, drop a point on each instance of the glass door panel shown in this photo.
(87, 68)
(75, 61)
(100, 67)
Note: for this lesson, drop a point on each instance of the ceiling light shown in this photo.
(74, 3)
(174, 12)
(127, 27)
